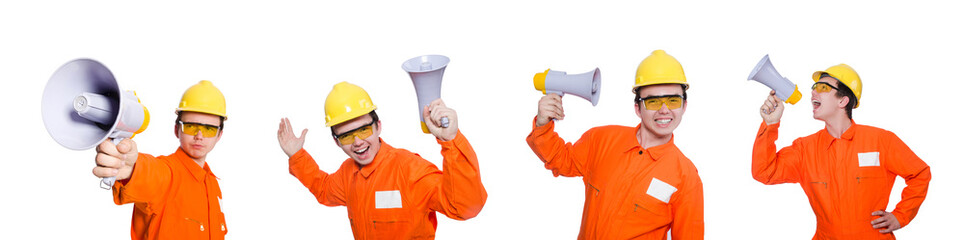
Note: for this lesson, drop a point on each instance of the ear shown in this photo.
(639, 112)
(842, 103)
(176, 131)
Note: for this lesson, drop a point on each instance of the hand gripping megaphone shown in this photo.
(585, 85)
(426, 73)
(767, 75)
(82, 106)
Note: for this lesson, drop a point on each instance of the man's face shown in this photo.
(826, 104)
(663, 121)
(361, 150)
(197, 146)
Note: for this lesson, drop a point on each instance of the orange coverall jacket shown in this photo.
(631, 192)
(173, 198)
(397, 194)
(846, 178)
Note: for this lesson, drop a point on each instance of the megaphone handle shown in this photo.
(560, 93)
(108, 182)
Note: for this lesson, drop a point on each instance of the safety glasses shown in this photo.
(191, 128)
(656, 102)
(361, 132)
(822, 87)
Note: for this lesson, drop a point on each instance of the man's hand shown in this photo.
(887, 222)
(550, 107)
(772, 109)
(115, 160)
(286, 138)
(433, 114)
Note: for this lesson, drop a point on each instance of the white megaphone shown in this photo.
(585, 85)
(82, 106)
(426, 72)
(767, 75)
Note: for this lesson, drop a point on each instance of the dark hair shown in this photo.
(374, 121)
(177, 122)
(844, 91)
(637, 98)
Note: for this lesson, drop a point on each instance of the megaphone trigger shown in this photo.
(445, 122)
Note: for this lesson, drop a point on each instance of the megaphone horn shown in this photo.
(82, 106)
(426, 73)
(766, 74)
(585, 85)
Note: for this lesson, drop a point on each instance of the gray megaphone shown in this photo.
(82, 106)
(585, 85)
(426, 73)
(767, 75)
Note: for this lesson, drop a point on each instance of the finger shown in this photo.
(108, 148)
(437, 103)
(882, 225)
(104, 160)
(427, 116)
(125, 146)
(281, 126)
(439, 113)
(288, 130)
(104, 172)
(303, 132)
(877, 213)
(878, 221)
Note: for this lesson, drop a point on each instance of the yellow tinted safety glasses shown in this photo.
(206, 130)
(656, 102)
(822, 87)
(362, 132)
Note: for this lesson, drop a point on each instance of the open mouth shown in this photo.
(362, 151)
(663, 121)
(815, 103)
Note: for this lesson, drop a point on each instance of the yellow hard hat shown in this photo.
(203, 97)
(846, 75)
(659, 68)
(346, 101)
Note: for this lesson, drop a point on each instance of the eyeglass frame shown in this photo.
(181, 128)
(642, 99)
(337, 136)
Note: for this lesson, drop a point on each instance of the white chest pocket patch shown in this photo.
(388, 199)
(868, 159)
(660, 190)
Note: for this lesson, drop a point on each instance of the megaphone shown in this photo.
(426, 73)
(585, 85)
(82, 106)
(767, 75)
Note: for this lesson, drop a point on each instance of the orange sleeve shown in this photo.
(328, 189)
(688, 209)
(562, 158)
(770, 166)
(899, 159)
(457, 192)
(148, 183)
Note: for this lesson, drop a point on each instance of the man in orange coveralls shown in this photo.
(638, 183)
(390, 193)
(847, 170)
(175, 196)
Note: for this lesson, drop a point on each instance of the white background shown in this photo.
(280, 59)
